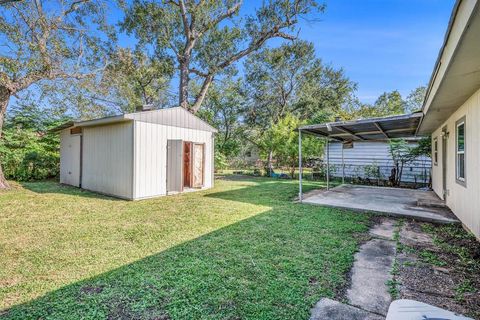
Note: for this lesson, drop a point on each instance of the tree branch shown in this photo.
(274, 32)
(183, 13)
(227, 14)
(203, 92)
(73, 7)
(198, 72)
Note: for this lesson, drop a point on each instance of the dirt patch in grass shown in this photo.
(91, 289)
(439, 265)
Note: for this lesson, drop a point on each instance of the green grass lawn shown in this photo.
(242, 250)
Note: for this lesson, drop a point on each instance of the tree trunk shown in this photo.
(269, 163)
(203, 93)
(400, 174)
(4, 99)
(184, 80)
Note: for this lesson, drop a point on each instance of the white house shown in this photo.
(452, 116)
(138, 155)
(358, 159)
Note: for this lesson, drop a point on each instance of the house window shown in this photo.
(435, 151)
(460, 151)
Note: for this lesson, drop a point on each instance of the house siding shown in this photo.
(108, 159)
(464, 201)
(151, 155)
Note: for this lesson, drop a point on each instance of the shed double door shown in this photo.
(193, 164)
(185, 165)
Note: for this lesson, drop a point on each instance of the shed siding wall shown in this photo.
(372, 153)
(108, 159)
(151, 156)
(463, 200)
(69, 158)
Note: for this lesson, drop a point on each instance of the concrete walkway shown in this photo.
(391, 201)
(368, 297)
(327, 309)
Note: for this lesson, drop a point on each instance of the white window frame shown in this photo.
(435, 151)
(461, 180)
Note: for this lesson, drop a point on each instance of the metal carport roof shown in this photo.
(401, 126)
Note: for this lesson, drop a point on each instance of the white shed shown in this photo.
(138, 155)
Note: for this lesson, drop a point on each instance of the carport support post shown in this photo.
(300, 171)
(343, 167)
(328, 165)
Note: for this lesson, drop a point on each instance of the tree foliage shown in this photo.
(414, 101)
(223, 108)
(28, 150)
(205, 38)
(43, 41)
(133, 79)
(387, 104)
(291, 80)
(401, 155)
(282, 140)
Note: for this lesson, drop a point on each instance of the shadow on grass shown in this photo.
(45, 187)
(271, 266)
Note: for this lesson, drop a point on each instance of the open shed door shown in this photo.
(174, 166)
(198, 165)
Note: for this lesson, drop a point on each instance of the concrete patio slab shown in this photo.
(391, 201)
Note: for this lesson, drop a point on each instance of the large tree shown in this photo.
(291, 80)
(134, 79)
(205, 38)
(48, 40)
(223, 108)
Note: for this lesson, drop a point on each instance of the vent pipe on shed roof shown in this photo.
(145, 107)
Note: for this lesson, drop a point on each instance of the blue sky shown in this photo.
(383, 45)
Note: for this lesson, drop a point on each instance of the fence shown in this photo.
(414, 176)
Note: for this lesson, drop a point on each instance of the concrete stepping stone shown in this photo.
(384, 230)
(368, 296)
(370, 274)
(327, 309)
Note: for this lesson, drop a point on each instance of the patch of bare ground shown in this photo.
(119, 310)
(439, 265)
(91, 289)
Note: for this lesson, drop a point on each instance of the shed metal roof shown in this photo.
(402, 126)
(177, 117)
